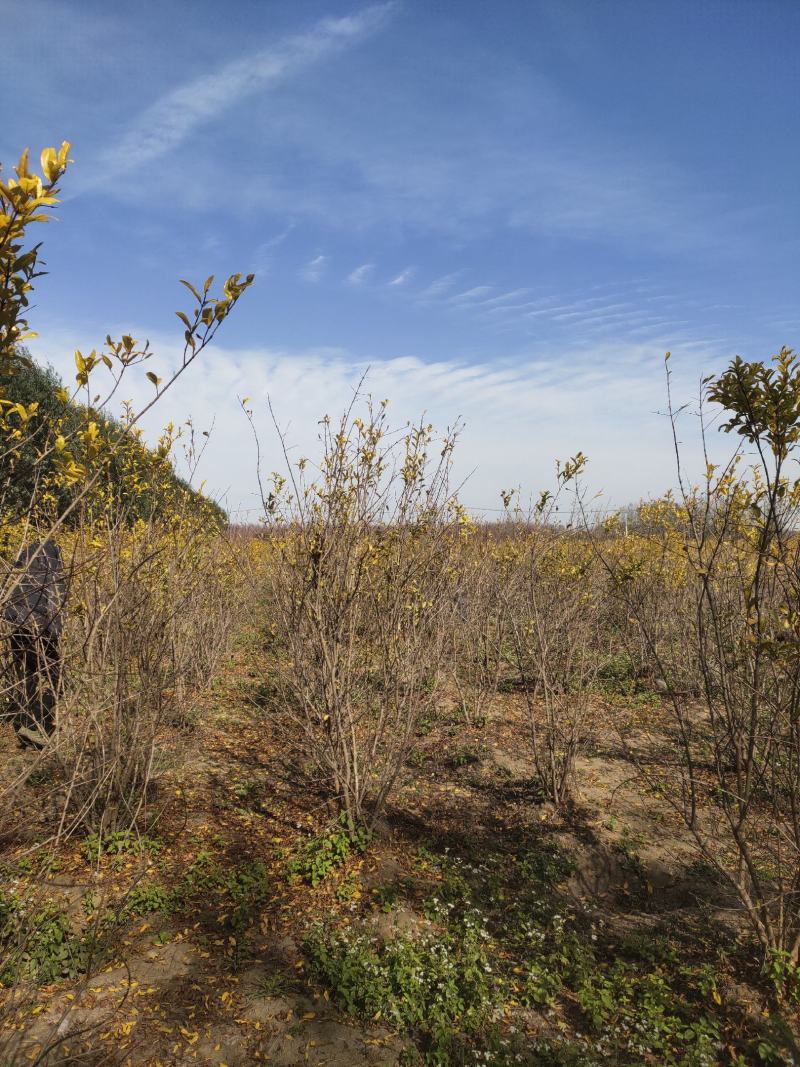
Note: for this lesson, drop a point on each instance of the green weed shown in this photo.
(783, 975)
(641, 1014)
(119, 843)
(37, 943)
(436, 986)
(148, 897)
(320, 855)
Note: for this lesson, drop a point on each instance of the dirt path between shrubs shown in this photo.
(198, 987)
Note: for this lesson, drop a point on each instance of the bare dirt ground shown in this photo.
(222, 979)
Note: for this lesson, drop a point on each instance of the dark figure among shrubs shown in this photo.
(32, 626)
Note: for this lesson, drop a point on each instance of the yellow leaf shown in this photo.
(49, 162)
(192, 290)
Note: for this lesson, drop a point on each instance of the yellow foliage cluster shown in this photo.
(23, 200)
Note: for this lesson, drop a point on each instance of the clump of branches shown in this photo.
(482, 580)
(359, 594)
(554, 623)
(148, 619)
(727, 552)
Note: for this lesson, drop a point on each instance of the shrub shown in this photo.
(555, 630)
(359, 588)
(725, 556)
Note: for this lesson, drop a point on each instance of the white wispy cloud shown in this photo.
(314, 269)
(514, 309)
(403, 277)
(360, 274)
(264, 253)
(504, 298)
(596, 313)
(626, 311)
(471, 179)
(171, 120)
(440, 285)
(473, 294)
(521, 412)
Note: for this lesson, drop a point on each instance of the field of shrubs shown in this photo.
(376, 782)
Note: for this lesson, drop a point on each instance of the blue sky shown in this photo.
(508, 211)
